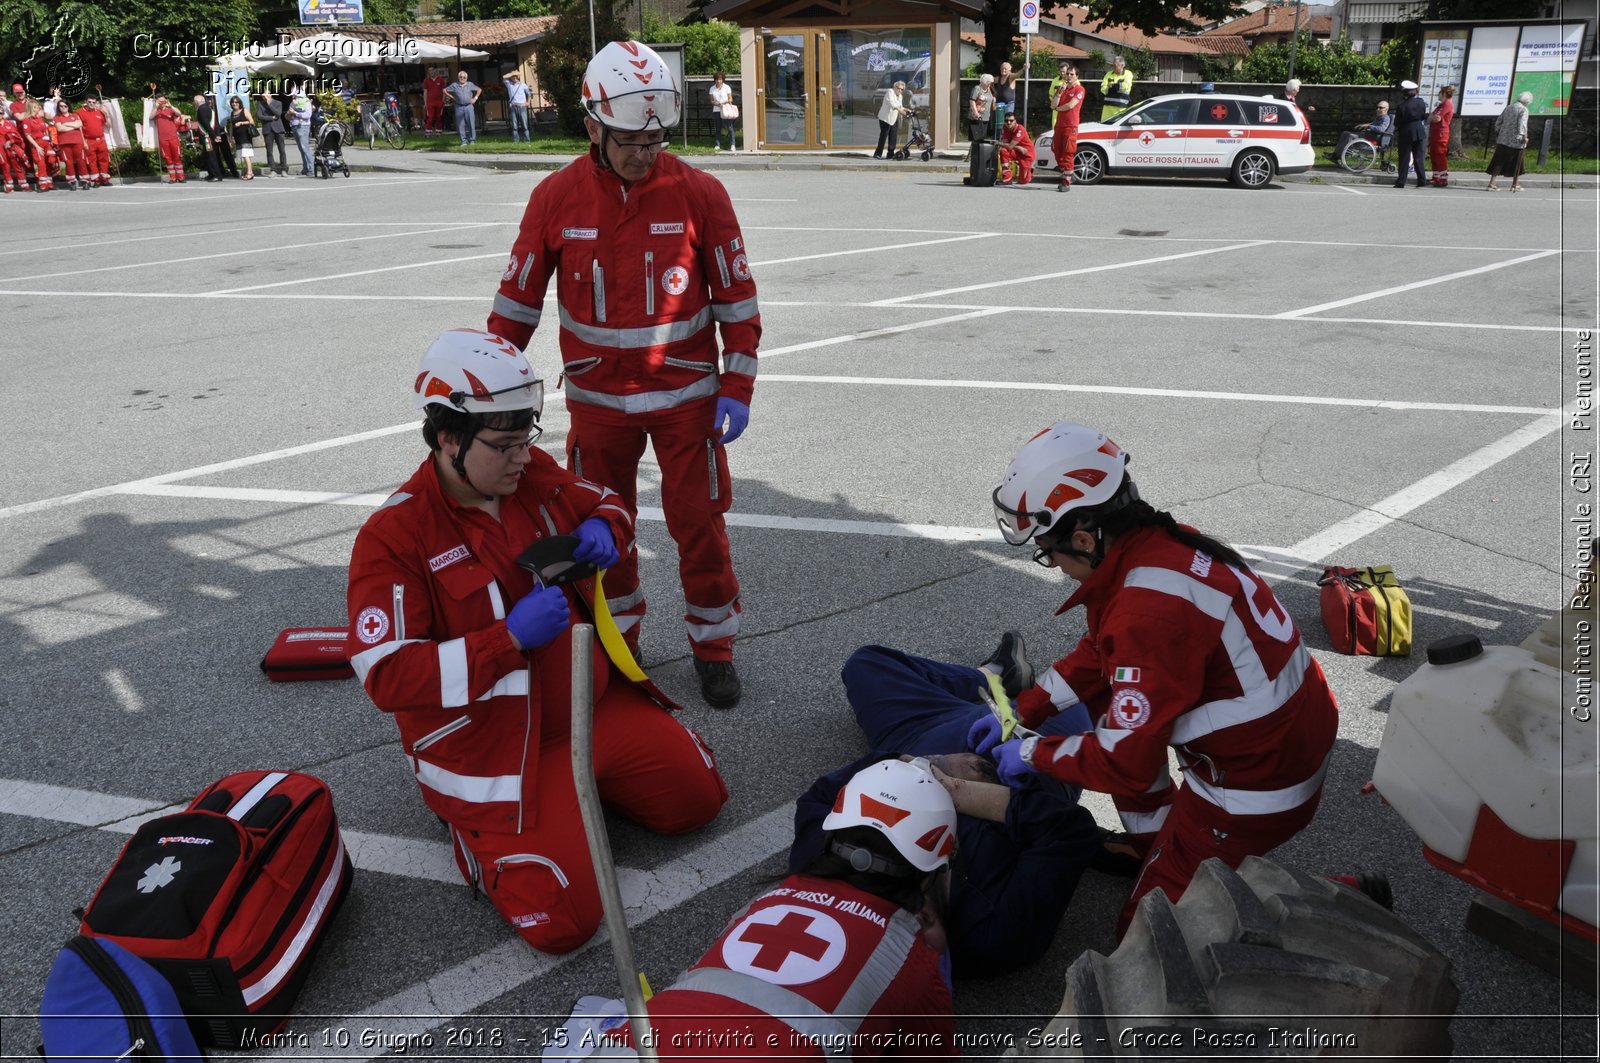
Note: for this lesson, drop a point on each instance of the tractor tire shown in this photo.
(1264, 961)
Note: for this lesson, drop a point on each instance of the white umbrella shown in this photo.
(417, 50)
(340, 50)
(262, 63)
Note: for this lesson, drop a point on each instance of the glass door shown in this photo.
(787, 106)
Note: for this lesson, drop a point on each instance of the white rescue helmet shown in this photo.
(1065, 467)
(473, 371)
(906, 804)
(627, 88)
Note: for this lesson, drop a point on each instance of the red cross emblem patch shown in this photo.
(372, 624)
(785, 944)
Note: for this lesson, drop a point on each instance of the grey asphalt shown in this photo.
(132, 620)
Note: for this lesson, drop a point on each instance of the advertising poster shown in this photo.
(1486, 87)
(1444, 53)
(1547, 62)
(331, 12)
(226, 83)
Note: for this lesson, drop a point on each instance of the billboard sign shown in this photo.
(331, 12)
(1547, 62)
(1502, 61)
(1487, 86)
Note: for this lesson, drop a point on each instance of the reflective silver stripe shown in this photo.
(1108, 737)
(310, 923)
(607, 505)
(686, 363)
(394, 499)
(1143, 822)
(1257, 802)
(707, 632)
(477, 789)
(743, 310)
(497, 604)
(881, 967)
(722, 267)
(400, 612)
(1068, 748)
(831, 1034)
(713, 612)
(626, 601)
(1260, 696)
(627, 621)
(1061, 693)
(510, 683)
(711, 471)
(508, 307)
(253, 796)
(646, 401)
(699, 743)
(527, 268)
(629, 338)
(453, 673)
(444, 732)
(650, 282)
(363, 661)
(598, 276)
(738, 363)
(549, 521)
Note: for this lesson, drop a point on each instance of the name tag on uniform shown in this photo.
(580, 234)
(661, 228)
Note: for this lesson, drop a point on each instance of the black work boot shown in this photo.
(1010, 663)
(1374, 884)
(719, 683)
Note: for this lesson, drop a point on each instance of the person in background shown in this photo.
(170, 124)
(1510, 140)
(269, 119)
(34, 128)
(300, 127)
(1291, 92)
(319, 118)
(69, 143)
(517, 107)
(13, 157)
(1411, 135)
(433, 102)
(980, 109)
(721, 95)
(889, 115)
(96, 155)
(1116, 88)
(1382, 125)
(242, 129)
(1068, 107)
(465, 94)
(1444, 112)
(1005, 92)
(1016, 153)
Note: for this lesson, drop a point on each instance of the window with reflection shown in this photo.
(866, 62)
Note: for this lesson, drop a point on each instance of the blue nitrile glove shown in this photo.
(539, 618)
(1009, 764)
(736, 413)
(984, 734)
(595, 544)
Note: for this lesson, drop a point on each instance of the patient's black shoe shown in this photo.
(1009, 661)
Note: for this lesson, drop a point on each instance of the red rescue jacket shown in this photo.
(645, 276)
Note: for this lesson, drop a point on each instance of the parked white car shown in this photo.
(1248, 139)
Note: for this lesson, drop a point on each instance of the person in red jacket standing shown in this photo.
(1444, 112)
(1016, 153)
(170, 122)
(650, 263)
(69, 142)
(845, 960)
(40, 151)
(1187, 649)
(472, 654)
(433, 102)
(96, 155)
(1069, 109)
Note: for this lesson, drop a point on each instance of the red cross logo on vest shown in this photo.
(785, 944)
(372, 624)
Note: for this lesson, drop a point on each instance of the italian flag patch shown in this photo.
(1126, 675)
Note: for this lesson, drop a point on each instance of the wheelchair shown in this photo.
(1363, 153)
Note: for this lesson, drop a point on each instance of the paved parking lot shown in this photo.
(209, 392)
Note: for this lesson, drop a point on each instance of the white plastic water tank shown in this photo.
(1489, 726)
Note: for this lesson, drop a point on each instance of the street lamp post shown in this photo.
(1294, 38)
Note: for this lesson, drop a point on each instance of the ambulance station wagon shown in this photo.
(1247, 139)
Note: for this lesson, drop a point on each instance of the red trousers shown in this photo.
(13, 168)
(1064, 144)
(696, 490)
(1196, 830)
(172, 155)
(72, 155)
(435, 116)
(649, 767)
(98, 159)
(1439, 159)
(1021, 161)
(43, 167)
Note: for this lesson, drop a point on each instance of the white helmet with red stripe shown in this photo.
(627, 88)
(1064, 468)
(906, 804)
(472, 371)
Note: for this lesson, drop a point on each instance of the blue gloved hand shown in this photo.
(539, 618)
(595, 544)
(984, 734)
(735, 413)
(1009, 764)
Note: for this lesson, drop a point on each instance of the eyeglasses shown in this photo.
(649, 147)
(514, 447)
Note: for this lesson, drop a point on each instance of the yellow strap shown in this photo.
(645, 985)
(1002, 706)
(616, 646)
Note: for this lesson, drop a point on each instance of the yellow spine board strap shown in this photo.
(616, 646)
(644, 983)
(1002, 706)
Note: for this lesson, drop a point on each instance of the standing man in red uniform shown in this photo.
(1187, 649)
(433, 101)
(35, 132)
(1444, 112)
(13, 162)
(69, 142)
(473, 656)
(96, 155)
(1016, 152)
(170, 122)
(640, 359)
(1069, 109)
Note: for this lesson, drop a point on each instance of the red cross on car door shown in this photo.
(1153, 138)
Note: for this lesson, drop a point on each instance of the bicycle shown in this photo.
(385, 125)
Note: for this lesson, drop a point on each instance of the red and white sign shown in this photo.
(786, 945)
(1028, 17)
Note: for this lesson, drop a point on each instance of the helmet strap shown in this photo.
(459, 462)
(863, 860)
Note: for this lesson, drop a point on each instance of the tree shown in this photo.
(1316, 63)
(708, 46)
(563, 54)
(1150, 16)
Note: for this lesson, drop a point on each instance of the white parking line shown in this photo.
(97, 244)
(872, 250)
(1335, 304)
(891, 330)
(1352, 191)
(357, 273)
(1011, 281)
(247, 251)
